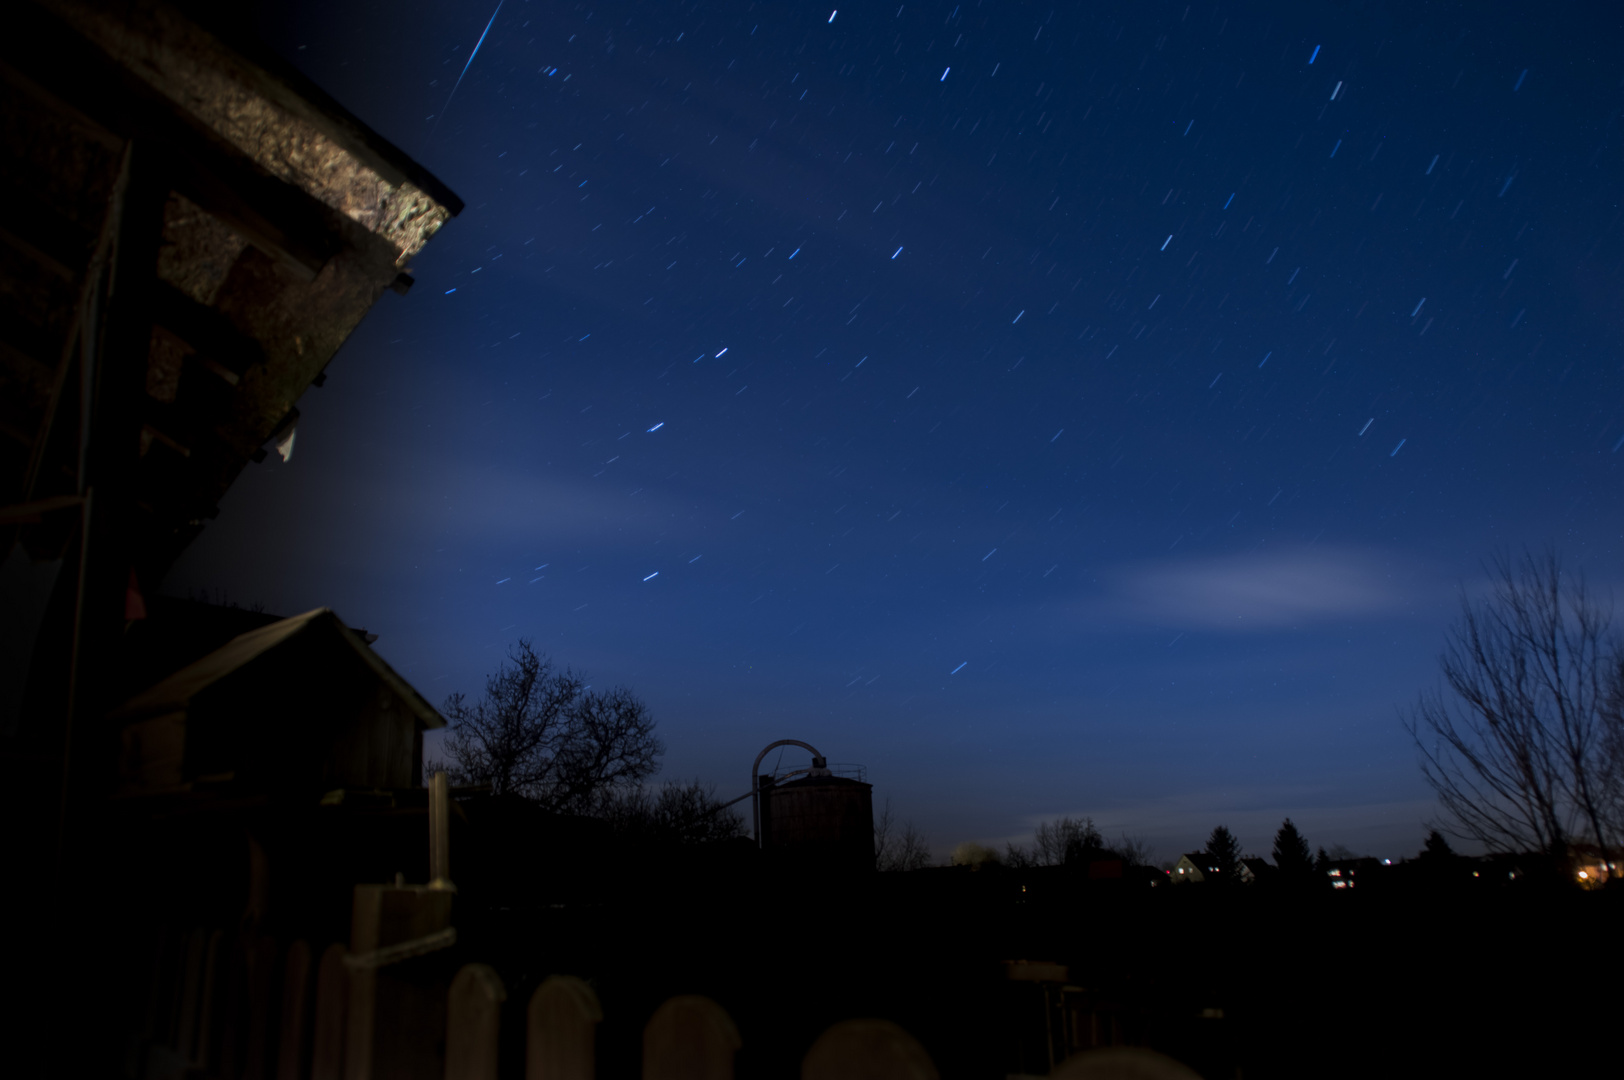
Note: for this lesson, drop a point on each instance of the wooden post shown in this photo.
(160, 1002)
(213, 1001)
(561, 1030)
(385, 916)
(867, 1050)
(359, 1019)
(262, 999)
(1122, 1063)
(332, 1009)
(184, 1037)
(234, 1006)
(292, 1051)
(473, 1023)
(440, 832)
(689, 1038)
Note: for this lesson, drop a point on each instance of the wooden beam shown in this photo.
(206, 330)
(32, 513)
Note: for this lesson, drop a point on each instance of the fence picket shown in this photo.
(473, 1023)
(561, 1030)
(1122, 1063)
(262, 998)
(867, 1050)
(184, 1037)
(211, 1001)
(332, 1012)
(689, 1038)
(292, 1051)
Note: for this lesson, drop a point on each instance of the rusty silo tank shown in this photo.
(813, 817)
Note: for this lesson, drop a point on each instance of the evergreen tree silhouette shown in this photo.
(1291, 852)
(1225, 852)
(1437, 849)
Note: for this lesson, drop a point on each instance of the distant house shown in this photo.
(1195, 866)
(302, 703)
(1350, 873)
(1592, 866)
(1255, 870)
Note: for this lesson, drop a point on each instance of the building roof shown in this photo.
(1201, 861)
(248, 221)
(826, 780)
(176, 692)
(270, 112)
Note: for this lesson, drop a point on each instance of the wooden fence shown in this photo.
(241, 1008)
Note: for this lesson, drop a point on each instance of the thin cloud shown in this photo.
(500, 505)
(1258, 590)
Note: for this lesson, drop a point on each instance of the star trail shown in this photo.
(1325, 305)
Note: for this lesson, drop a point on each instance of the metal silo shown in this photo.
(817, 819)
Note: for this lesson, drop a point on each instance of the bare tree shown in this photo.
(1067, 839)
(898, 847)
(1613, 749)
(1075, 841)
(546, 735)
(682, 812)
(1524, 749)
(1018, 856)
(1133, 850)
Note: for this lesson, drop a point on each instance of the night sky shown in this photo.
(1079, 408)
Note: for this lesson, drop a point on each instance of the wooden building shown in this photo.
(189, 231)
(301, 704)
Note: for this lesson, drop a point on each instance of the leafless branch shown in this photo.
(545, 735)
(1523, 742)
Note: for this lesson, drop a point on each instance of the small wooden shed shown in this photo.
(303, 703)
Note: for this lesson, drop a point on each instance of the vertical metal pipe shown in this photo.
(440, 832)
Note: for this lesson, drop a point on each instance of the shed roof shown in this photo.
(176, 692)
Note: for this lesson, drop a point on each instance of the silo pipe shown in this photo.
(755, 772)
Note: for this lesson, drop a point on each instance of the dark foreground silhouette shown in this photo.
(1434, 975)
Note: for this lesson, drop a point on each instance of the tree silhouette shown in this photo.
(1069, 841)
(1132, 850)
(1225, 852)
(1437, 848)
(1526, 748)
(545, 735)
(898, 849)
(1058, 842)
(677, 812)
(1291, 853)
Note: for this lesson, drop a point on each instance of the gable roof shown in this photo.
(1201, 861)
(177, 691)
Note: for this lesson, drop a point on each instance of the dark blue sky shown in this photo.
(1106, 427)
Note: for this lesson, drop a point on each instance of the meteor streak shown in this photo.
(465, 67)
